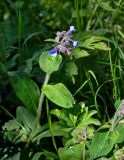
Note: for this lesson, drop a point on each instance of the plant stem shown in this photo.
(50, 125)
(42, 98)
(39, 110)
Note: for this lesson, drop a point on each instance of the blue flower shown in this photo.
(75, 43)
(72, 29)
(53, 52)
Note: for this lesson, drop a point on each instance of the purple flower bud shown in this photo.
(75, 43)
(68, 52)
(53, 52)
(72, 29)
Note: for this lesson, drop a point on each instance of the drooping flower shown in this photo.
(72, 29)
(53, 52)
(75, 43)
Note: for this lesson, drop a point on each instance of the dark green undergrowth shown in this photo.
(61, 93)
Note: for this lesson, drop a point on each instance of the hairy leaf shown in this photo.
(59, 94)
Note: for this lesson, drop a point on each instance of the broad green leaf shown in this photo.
(25, 117)
(120, 131)
(72, 153)
(102, 144)
(78, 53)
(71, 69)
(27, 91)
(59, 95)
(48, 63)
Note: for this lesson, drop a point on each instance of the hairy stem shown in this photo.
(39, 110)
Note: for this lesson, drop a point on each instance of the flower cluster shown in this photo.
(64, 40)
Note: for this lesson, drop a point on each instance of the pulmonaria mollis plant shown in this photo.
(64, 41)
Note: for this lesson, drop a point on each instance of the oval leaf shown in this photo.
(27, 91)
(25, 117)
(72, 153)
(102, 144)
(59, 94)
(48, 63)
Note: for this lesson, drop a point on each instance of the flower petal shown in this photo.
(68, 52)
(53, 52)
(72, 29)
(75, 43)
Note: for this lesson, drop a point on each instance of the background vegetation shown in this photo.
(93, 127)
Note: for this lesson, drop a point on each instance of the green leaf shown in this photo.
(72, 153)
(120, 131)
(11, 125)
(49, 155)
(101, 46)
(78, 53)
(57, 130)
(102, 144)
(118, 154)
(95, 42)
(36, 156)
(71, 69)
(27, 91)
(25, 117)
(86, 119)
(48, 63)
(65, 116)
(106, 6)
(59, 95)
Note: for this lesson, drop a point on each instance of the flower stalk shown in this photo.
(39, 111)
